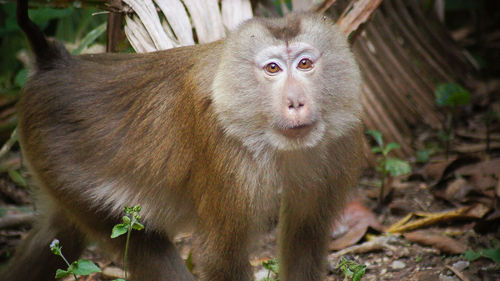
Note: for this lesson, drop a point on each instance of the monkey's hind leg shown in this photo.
(33, 260)
(153, 257)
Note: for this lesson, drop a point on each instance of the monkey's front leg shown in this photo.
(222, 248)
(303, 236)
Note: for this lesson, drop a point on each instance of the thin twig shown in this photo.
(458, 273)
(8, 145)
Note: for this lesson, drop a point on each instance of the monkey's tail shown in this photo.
(46, 52)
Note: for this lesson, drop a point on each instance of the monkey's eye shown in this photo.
(305, 64)
(272, 68)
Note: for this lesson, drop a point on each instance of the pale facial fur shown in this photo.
(242, 88)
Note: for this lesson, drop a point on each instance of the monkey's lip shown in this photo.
(296, 131)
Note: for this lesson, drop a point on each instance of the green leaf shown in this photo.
(128, 210)
(397, 167)
(189, 262)
(352, 269)
(119, 230)
(126, 220)
(377, 136)
(376, 149)
(493, 254)
(62, 273)
(452, 95)
(119, 279)
(21, 77)
(16, 177)
(390, 146)
(471, 255)
(90, 38)
(83, 267)
(444, 136)
(138, 226)
(43, 15)
(359, 272)
(271, 265)
(423, 156)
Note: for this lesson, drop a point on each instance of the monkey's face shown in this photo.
(286, 84)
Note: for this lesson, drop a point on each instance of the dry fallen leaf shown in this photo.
(431, 238)
(435, 170)
(482, 175)
(457, 190)
(440, 170)
(355, 220)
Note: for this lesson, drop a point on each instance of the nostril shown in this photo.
(295, 104)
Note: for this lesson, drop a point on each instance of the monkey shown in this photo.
(220, 139)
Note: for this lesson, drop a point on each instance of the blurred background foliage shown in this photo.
(70, 24)
(476, 26)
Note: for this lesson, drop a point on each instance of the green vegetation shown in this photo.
(78, 28)
(492, 253)
(388, 166)
(81, 267)
(130, 222)
(272, 267)
(351, 269)
(450, 96)
(71, 25)
(84, 267)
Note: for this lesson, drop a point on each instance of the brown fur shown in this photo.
(100, 132)
(287, 30)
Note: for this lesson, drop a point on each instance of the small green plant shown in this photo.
(450, 96)
(423, 155)
(81, 267)
(388, 166)
(130, 222)
(272, 267)
(351, 269)
(189, 262)
(84, 267)
(492, 253)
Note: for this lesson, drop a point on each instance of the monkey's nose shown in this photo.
(296, 111)
(295, 104)
(297, 119)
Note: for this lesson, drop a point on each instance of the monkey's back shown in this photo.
(106, 126)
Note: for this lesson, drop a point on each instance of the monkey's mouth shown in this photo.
(296, 131)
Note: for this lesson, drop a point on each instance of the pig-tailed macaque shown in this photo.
(221, 139)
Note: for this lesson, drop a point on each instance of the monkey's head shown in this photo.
(286, 84)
